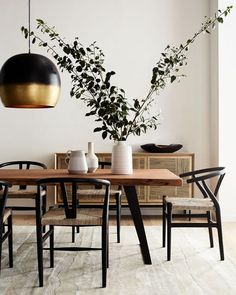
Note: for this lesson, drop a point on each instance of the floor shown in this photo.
(229, 228)
(195, 268)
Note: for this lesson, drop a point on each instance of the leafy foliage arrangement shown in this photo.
(91, 83)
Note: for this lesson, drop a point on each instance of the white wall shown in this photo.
(214, 93)
(227, 107)
(132, 35)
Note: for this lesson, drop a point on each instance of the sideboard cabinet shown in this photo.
(148, 195)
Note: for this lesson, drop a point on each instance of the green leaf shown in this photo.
(79, 69)
(97, 129)
(104, 134)
(40, 21)
(90, 113)
(172, 79)
(82, 63)
(82, 51)
(136, 104)
(161, 72)
(155, 70)
(66, 50)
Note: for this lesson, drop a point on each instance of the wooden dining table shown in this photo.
(152, 177)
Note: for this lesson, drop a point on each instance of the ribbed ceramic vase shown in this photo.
(122, 162)
(91, 158)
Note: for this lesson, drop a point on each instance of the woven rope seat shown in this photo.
(191, 203)
(96, 192)
(25, 194)
(56, 216)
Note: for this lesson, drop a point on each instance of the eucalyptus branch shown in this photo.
(118, 118)
(175, 60)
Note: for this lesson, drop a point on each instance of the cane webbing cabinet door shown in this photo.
(148, 195)
(176, 163)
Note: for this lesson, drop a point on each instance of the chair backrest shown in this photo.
(4, 185)
(23, 165)
(70, 186)
(199, 177)
(104, 164)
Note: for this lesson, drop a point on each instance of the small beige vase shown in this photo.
(91, 158)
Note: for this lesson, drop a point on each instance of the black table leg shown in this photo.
(133, 202)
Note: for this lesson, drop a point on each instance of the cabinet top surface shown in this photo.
(142, 154)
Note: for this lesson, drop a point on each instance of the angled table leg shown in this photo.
(133, 202)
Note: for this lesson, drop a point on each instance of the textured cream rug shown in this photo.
(194, 269)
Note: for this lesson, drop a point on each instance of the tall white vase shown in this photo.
(122, 162)
(91, 158)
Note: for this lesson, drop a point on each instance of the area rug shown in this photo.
(194, 269)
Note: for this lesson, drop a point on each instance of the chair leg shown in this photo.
(104, 256)
(220, 235)
(163, 222)
(210, 229)
(44, 209)
(10, 241)
(73, 234)
(107, 246)
(118, 216)
(1, 232)
(51, 241)
(40, 254)
(189, 215)
(169, 220)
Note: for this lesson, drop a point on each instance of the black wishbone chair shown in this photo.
(71, 215)
(5, 216)
(208, 206)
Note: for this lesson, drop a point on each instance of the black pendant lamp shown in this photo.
(29, 81)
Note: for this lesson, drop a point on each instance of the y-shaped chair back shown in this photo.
(71, 214)
(207, 205)
(199, 177)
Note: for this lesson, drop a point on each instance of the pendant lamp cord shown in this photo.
(29, 22)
